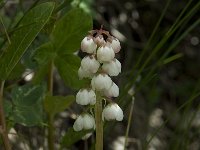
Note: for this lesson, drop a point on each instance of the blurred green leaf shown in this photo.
(7, 107)
(67, 66)
(27, 102)
(30, 26)
(70, 30)
(29, 116)
(56, 104)
(16, 72)
(72, 137)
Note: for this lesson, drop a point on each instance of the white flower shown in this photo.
(113, 68)
(113, 91)
(101, 82)
(84, 74)
(112, 112)
(90, 64)
(88, 45)
(115, 44)
(99, 40)
(85, 121)
(105, 54)
(85, 97)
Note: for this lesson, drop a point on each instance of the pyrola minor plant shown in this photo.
(99, 65)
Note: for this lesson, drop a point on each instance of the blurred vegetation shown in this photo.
(161, 66)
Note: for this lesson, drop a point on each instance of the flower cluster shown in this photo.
(99, 65)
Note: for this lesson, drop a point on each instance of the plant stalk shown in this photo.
(99, 123)
(3, 130)
(51, 138)
(129, 123)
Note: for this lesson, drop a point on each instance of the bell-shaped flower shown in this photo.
(85, 97)
(105, 54)
(101, 82)
(90, 64)
(84, 122)
(113, 91)
(84, 74)
(115, 44)
(112, 112)
(88, 45)
(113, 68)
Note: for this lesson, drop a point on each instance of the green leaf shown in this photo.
(45, 53)
(65, 39)
(29, 116)
(70, 30)
(27, 102)
(67, 66)
(17, 72)
(28, 28)
(27, 95)
(72, 137)
(56, 104)
(7, 107)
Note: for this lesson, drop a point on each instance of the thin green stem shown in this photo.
(5, 30)
(99, 123)
(51, 137)
(3, 130)
(152, 36)
(129, 123)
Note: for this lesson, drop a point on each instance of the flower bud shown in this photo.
(113, 91)
(115, 44)
(88, 45)
(85, 97)
(113, 68)
(84, 74)
(85, 121)
(90, 64)
(101, 82)
(99, 40)
(105, 54)
(112, 112)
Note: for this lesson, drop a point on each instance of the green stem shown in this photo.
(3, 130)
(99, 123)
(51, 137)
(129, 123)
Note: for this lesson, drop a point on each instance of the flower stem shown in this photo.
(51, 137)
(129, 123)
(3, 130)
(99, 123)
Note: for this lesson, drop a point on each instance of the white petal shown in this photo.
(85, 137)
(82, 97)
(90, 64)
(115, 44)
(101, 82)
(88, 122)
(88, 45)
(84, 74)
(109, 113)
(105, 54)
(78, 124)
(119, 113)
(113, 91)
(113, 68)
